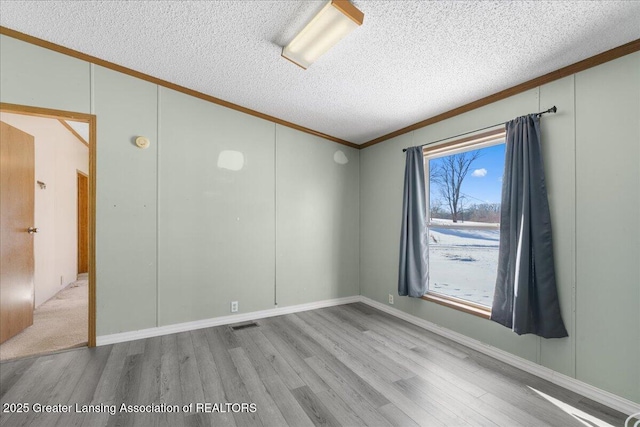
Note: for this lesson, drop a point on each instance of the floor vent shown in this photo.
(245, 326)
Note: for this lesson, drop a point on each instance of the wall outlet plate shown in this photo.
(234, 306)
(390, 299)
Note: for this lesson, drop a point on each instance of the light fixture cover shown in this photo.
(334, 21)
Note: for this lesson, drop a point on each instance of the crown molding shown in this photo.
(121, 69)
(601, 58)
(585, 64)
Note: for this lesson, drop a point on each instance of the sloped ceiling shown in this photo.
(410, 60)
(80, 128)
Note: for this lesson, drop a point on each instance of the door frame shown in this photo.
(92, 121)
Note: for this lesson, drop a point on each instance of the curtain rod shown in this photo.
(550, 110)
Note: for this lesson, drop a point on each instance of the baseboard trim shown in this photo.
(218, 321)
(606, 398)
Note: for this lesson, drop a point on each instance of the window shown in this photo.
(464, 186)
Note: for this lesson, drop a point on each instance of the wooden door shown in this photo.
(83, 223)
(17, 194)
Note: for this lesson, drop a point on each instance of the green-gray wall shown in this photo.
(592, 160)
(177, 237)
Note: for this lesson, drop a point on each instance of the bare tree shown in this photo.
(449, 175)
(435, 206)
(483, 212)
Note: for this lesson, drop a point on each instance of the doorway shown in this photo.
(37, 231)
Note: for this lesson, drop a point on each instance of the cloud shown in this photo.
(479, 173)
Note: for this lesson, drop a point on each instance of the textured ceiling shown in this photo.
(410, 60)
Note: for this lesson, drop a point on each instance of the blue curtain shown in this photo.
(413, 274)
(526, 297)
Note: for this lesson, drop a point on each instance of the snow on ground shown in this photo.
(463, 260)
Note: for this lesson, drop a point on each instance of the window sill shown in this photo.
(461, 305)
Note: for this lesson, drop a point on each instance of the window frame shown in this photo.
(474, 142)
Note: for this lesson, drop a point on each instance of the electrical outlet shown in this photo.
(390, 299)
(234, 306)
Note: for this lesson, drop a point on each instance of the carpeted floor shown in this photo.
(58, 324)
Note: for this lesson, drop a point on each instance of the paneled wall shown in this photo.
(32, 75)
(126, 193)
(280, 217)
(607, 226)
(317, 186)
(216, 214)
(188, 225)
(592, 159)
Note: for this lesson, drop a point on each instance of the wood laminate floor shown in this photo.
(350, 365)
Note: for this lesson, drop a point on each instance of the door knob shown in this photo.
(32, 230)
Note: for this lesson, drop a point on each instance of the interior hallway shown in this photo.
(58, 324)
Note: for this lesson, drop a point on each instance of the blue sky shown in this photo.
(483, 183)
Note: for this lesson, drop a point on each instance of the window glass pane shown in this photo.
(464, 231)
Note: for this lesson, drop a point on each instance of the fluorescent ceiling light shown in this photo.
(336, 19)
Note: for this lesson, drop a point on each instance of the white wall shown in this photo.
(591, 151)
(58, 157)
